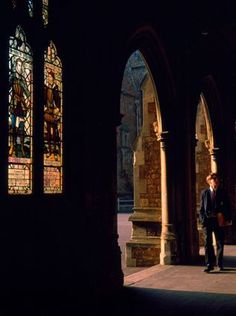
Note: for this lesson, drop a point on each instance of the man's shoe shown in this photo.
(208, 269)
(220, 269)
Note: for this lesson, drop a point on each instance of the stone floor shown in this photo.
(176, 290)
(158, 290)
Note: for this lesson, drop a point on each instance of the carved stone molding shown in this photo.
(156, 129)
(163, 138)
(208, 144)
(214, 153)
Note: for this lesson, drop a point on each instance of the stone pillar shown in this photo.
(168, 253)
(214, 153)
(192, 229)
(198, 193)
(143, 248)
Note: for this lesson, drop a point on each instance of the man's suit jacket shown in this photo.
(221, 205)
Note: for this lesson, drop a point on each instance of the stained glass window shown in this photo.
(20, 119)
(30, 8)
(45, 12)
(52, 121)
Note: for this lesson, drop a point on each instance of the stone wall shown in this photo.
(144, 247)
(130, 109)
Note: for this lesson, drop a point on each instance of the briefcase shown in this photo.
(222, 221)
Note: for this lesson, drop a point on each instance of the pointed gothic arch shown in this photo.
(214, 115)
(139, 102)
(152, 50)
(207, 122)
(20, 131)
(53, 124)
(21, 125)
(151, 47)
(147, 41)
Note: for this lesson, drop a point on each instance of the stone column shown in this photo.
(198, 193)
(214, 153)
(143, 248)
(168, 253)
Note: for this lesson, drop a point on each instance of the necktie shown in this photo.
(213, 197)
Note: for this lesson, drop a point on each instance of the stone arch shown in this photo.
(206, 150)
(146, 40)
(204, 141)
(164, 250)
(214, 115)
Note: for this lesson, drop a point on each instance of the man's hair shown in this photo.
(212, 175)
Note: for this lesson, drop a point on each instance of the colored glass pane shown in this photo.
(30, 7)
(52, 121)
(20, 115)
(45, 12)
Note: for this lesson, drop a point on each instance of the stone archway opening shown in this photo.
(127, 133)
(205, 161)
(139, 159)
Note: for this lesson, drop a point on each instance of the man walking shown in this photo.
(213, 201)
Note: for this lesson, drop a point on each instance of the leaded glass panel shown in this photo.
(52, 121)
(45, 12)
(20, 119)
(30, 8)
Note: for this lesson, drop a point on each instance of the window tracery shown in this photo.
(52, 121)
(45, 12)
(20, 119)
(20, 114)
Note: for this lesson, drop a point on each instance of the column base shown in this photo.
(168, 255)
(143, 252)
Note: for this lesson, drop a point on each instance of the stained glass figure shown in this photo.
(52, 121)
(45, 12)
(20, 115)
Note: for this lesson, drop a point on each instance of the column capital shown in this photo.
(207, 144)
(214, 152)
(163, 136)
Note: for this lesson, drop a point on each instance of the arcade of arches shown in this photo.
(139, 103)
(181, 100)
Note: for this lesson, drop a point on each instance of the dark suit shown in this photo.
(208, 218)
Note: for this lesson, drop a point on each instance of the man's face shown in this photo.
(214, 183)
(50, 79)
(19, 66)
